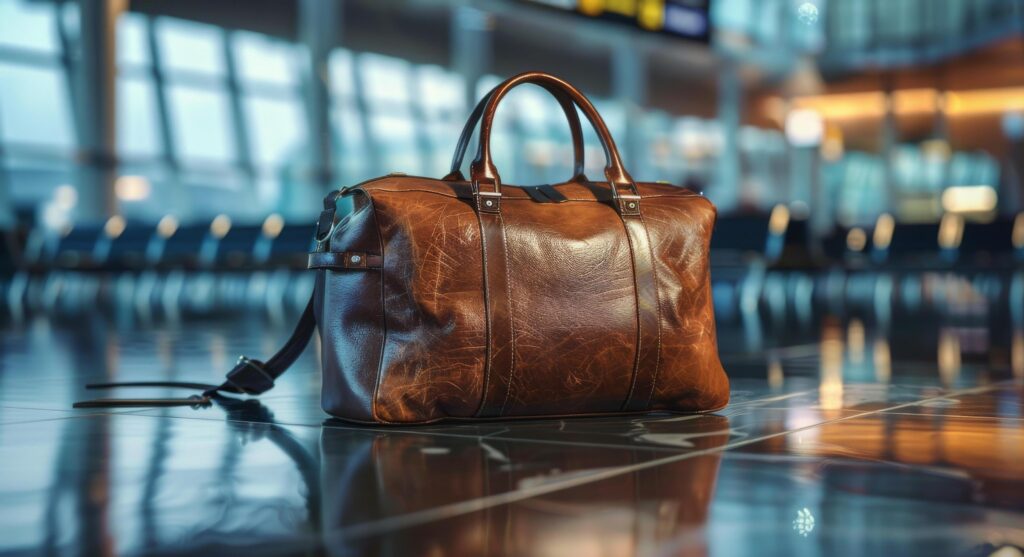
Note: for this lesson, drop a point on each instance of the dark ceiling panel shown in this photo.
(272, 17)
(419, 34)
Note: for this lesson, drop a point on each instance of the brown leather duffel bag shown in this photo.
(466, 299)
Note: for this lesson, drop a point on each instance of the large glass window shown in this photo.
(37, 128)
(34, 107)
(137, 119)
(191, 47)
(201, 119)
(29, 26)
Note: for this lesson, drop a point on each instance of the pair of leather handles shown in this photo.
(482, 170)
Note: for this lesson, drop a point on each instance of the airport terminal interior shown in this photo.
(163, 162)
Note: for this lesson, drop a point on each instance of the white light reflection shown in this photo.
(969, 199)
(803, 524)
(807, 13)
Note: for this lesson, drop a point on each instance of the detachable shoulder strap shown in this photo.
(249, 376)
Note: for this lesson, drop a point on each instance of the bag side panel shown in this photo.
(350, 319)
(434, 357)
(690, 376)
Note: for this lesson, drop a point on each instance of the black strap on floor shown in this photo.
(249, 376)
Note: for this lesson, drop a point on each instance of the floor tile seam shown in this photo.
(452, 510)
(523, 440)
(958, 416)
(63, 416)
(747, 403)
(42, 420)
(72, 412)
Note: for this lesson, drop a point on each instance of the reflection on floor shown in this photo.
(843, 438)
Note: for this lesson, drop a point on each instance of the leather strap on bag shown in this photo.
(249, 376)
(568, 107)
(483, 171)
(500, 363)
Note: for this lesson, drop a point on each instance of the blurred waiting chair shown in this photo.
(179, 246)
(283, 245)
(75, 249)
(995, 245)
(913, 245)
(739, 239)
(122, 246)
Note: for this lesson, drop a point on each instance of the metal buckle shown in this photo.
(249, 377)
(324, 226)
(628, 204)
(488, 201)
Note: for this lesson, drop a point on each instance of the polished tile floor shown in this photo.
(843, 438)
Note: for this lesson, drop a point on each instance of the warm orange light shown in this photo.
(273, 226)
(779, 220)
(114, 226)
(872, 104)
(951, 231)
(856, 239)
(167, 226)
(884, 227)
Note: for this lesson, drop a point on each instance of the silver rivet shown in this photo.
(356, 259)
(632, 205)
(489, 203)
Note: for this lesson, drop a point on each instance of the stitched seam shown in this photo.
(487, 316)
(384, 315)
(526, 196)
(636, 296)
(657, 300)
(511, 322)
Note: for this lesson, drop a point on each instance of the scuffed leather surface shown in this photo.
(572, 299)
(434, 300)
(691, 378)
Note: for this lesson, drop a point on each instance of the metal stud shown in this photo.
(632, 205)
(355, 259)
(489, 203)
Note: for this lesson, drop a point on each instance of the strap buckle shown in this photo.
(250, 377)
(628, 204)
(488, 201)
(324, 225)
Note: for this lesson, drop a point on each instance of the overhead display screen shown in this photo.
(688, 19)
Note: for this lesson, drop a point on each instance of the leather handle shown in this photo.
(568, 107)
(483, 171)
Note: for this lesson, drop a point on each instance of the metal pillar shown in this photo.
(470, 47)
(889, 139)
(318, 24)
(726, 190)
(239, 122)
(95, 108)
(180, 202)
(629, 82)
(7, 219)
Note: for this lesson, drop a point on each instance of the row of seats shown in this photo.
(777, 239)
(953, 243)
(163, 268)
(759, 263)
(117, 246)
